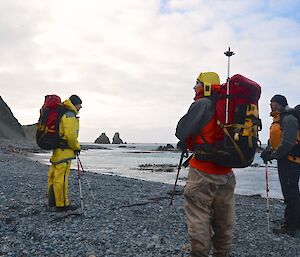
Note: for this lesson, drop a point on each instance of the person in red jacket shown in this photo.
(209, 192)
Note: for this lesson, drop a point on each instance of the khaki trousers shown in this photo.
(209, 207)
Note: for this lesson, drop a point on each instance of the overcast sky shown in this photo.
(134, 62)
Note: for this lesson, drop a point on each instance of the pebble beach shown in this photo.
(121, 217)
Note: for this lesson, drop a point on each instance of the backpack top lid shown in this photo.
(242, 86)
(51, 101)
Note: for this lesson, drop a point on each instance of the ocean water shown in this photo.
(124, 160)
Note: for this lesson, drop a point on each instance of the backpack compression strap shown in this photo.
(237, 148)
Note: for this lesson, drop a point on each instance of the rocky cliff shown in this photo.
(10, 128)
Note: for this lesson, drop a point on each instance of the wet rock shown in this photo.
(157, 167)
(167, 147)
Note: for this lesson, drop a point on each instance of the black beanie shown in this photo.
(280, 99)
(75, 99)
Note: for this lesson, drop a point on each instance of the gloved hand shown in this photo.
(77, 152)
(182, 146)
(266, 152)
(266, 155)
(268, 158)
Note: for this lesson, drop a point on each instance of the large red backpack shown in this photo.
(47, 135)
(238, 122)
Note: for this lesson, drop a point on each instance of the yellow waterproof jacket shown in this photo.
(68, 130)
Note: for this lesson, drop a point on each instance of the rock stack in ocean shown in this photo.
(117, 139)
(167, 147)
(10, 128)
(102, 139)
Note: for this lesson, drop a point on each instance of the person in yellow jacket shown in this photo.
(61, 158)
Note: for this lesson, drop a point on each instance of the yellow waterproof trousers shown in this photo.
(58, 176)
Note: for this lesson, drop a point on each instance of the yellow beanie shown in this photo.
(209, 78)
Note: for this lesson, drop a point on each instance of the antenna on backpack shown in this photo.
(228, 54)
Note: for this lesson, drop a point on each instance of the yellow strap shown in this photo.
(240, 126)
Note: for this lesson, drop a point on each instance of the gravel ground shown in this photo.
(127, 217)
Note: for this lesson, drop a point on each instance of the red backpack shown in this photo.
(47, 135)
(238, 133)
(235, 137)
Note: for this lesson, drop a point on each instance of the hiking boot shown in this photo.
(284, 230)
(66, 208)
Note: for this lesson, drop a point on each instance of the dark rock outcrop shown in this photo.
(167, 147)
(102, 139)
(117, 139)
(10, 128)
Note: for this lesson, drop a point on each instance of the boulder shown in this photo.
(10, 128)
(102, 139)
(117, 139)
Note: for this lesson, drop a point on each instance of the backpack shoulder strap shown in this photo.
(60, 111)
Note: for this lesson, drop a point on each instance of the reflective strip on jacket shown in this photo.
(69, 130)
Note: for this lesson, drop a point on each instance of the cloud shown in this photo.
(134, 63)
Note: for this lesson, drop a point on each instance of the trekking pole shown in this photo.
(179, 167)
(228, 54)
(87, 181)
(267, 196)
(79, 182)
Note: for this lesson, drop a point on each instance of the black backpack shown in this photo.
(295, 152)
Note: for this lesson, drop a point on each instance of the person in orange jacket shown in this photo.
(284, 135)
(59, 170)
(209, 191)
